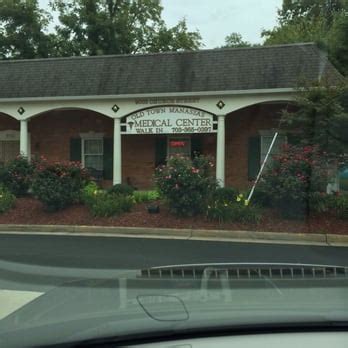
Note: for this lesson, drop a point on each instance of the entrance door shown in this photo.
(179, 146)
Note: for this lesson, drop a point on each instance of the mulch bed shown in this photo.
(30, 211)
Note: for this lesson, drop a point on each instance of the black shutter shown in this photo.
(108, 158)
(160, 151)
(196, 146)
(254, 156)
(75, 150)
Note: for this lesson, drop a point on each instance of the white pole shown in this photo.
(262, 166)
(220, 151)
(23, 142)
(117, 169)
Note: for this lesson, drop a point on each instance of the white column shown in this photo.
(117, 170)
(220, 151)
(23, 141)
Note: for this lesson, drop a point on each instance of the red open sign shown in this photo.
(177, 143)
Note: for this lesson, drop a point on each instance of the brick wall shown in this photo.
(138, 160)
(240, 125)
(8, 123)
(51, 133)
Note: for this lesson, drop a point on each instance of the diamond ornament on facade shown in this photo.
(21, 110)
(115, 108)
(220, 104)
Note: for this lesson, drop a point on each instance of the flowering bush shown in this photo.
(106, 204)
(186, 184)
(292, 176)
(236, 209)
(17, 175)
(7, 200)
(59, 184)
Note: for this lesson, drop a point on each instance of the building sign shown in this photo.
(183, 100)
(169, 120)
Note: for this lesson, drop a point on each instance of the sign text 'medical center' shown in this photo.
(170, 120)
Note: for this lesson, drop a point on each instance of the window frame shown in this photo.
(12, 135)
(269, 133)
(87, 137)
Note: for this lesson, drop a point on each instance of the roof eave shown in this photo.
(152, 95)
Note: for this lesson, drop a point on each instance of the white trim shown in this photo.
(221, 150)
(117, 168)
(154, 95)
(23, 140)
(92, 135)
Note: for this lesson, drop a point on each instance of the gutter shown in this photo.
(153, 95)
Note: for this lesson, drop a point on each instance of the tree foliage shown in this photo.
(320, 118)
(322, 21)
(94, 27)
(89, 27)
(23, 30)
(235, 40)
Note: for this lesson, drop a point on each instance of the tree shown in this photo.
(235, 40)
(292, 10)
(175, 39)
(322, 21)
(23, 30)
(93, 27)
(320, 118)
(338, 43)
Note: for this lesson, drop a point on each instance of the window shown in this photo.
(266, 140)
(9, 145)
(8, 150)
(92, 153)
(179, 146)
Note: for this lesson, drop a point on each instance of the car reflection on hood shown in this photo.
(180, 297)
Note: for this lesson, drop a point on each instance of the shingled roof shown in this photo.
(207, 70)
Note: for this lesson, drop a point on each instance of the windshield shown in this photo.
(171, 167)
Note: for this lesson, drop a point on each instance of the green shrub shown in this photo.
(58, 185)
(225, 194)
(339, 206)
(187, 185)
(262, 197)
(17, 175)
(7, 200)
(239, 210)
(88, 192)
(3, 173)
(122, 189)
(319, 202)
(145, 196)
(110, 204)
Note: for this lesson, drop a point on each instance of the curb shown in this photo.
(187, 234)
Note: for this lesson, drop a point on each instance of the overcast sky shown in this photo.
(215, 19)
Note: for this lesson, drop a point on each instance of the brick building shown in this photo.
(123, 115)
